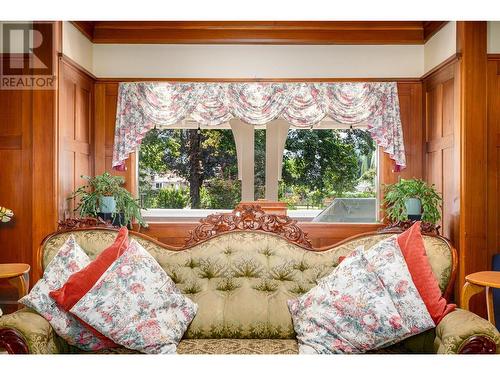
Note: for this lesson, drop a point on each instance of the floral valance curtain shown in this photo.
(144, 105)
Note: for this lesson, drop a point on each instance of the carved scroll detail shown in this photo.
(426, 228)
(478, 345)
(12, 341)
(86, 222)
(248, 217)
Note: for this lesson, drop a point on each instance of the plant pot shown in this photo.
(107, 205)
(413, 208)
(116, 220)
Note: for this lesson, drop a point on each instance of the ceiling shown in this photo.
(259, 32)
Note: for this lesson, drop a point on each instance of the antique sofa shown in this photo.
(241, 268)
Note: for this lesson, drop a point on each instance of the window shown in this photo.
(323, 174)
(330, 175)
(189, 168)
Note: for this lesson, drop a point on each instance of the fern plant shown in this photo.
(107, 185)
(397, 194)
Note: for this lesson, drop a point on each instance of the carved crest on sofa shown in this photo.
(248, 217)
(86, 222)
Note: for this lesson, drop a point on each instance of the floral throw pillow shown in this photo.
(69, 259)
(137, 305)
(367, 303)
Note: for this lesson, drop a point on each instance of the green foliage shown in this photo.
(369, 176)
(172, 198)
(322, 164)
(194, 155)
(396, 195)
(367, 181)
(220, 193)
(89, 196)
(105, 184)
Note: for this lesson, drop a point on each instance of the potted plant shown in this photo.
(412, 199)
(105, 196)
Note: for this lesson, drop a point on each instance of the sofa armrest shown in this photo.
(26, 332)
(464, 332)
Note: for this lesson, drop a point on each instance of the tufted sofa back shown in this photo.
(242, 280)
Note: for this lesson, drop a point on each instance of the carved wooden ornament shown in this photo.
(248, 217)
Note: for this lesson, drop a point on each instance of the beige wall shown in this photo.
(77, 47)
(257, 61)
(493, 36)
(442, 45)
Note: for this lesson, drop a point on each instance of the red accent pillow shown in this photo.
(81, 282)
(413, 249)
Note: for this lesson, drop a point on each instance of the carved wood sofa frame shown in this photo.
(243, 218)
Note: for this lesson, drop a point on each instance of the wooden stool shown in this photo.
(476, 283)
(17, 274)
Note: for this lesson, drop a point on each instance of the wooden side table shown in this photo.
(17, 274)
(476, 283)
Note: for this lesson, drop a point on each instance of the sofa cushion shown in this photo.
(68, 259)
(413, 249)
(242, 280)
(367, 303)
(137, 305)
(79, 283)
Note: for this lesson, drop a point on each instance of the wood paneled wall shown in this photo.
(460, 152)
(493, 210)
(76, 128)
(441, 149)
(473, 253)
(28, 175)
(16, 174)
